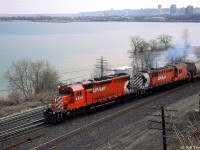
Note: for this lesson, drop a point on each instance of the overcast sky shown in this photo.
(75, 6)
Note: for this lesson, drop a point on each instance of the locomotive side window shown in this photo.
(155, 74)
(68, 90)
(176, 71)
(180, 71)
(87, 86)
(79, 93)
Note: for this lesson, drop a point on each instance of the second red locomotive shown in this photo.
(149, 79)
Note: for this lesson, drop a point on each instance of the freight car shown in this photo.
(193, 69)
(76, 98)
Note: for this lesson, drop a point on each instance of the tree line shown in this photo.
(143, 52)
(29, 78)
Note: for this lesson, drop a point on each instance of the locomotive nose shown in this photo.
(140, 80)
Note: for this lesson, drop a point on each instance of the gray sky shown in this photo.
(75, 6)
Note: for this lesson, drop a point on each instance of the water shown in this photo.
(76, 46)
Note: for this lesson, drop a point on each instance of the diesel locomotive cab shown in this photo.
(62, 99)
(59, 103)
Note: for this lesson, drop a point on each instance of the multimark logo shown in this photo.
(99, 89)
(161, 78)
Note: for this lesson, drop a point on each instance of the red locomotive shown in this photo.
(80, 96)
(147, 80)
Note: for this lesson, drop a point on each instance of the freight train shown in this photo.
(79, 97)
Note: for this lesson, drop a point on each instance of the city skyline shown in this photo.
(76, 6)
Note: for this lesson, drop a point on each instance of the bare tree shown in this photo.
(140, 52)
(29, 78)
(36, 70)
(49, 78)
(136, 43)
(154, 45)
(17, 77)
(164, 41)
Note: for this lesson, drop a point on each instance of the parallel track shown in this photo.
(20, 130)
(79, 132)
(21, 116)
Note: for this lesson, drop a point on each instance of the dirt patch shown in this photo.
(8, 110)
(10, 107)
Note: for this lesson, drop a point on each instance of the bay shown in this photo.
(72, 48)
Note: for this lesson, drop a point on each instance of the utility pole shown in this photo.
(163, 128)
(199, 103)
(163, 122)
(101, 63)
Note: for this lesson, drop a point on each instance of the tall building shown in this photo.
(159, 9)
(125, 12)
(196, 10)
(173, 9)
(189, 10)
(182, 11)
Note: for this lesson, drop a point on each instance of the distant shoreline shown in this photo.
(65, 21)
(165, 18)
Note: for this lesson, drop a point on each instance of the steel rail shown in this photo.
(52, 144)
(16, 131)
(17, 117)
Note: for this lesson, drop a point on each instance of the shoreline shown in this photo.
(67, 21)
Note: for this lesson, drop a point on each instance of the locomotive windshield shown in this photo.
(66, 91)
(63, 90)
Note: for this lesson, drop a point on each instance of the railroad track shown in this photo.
(22, 129)
(80, 132)
(21, 116)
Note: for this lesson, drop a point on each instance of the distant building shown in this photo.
(125, 12)
(173, 9)
(189, 10)
(196, 10)
(182, 11)
(159, 9)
